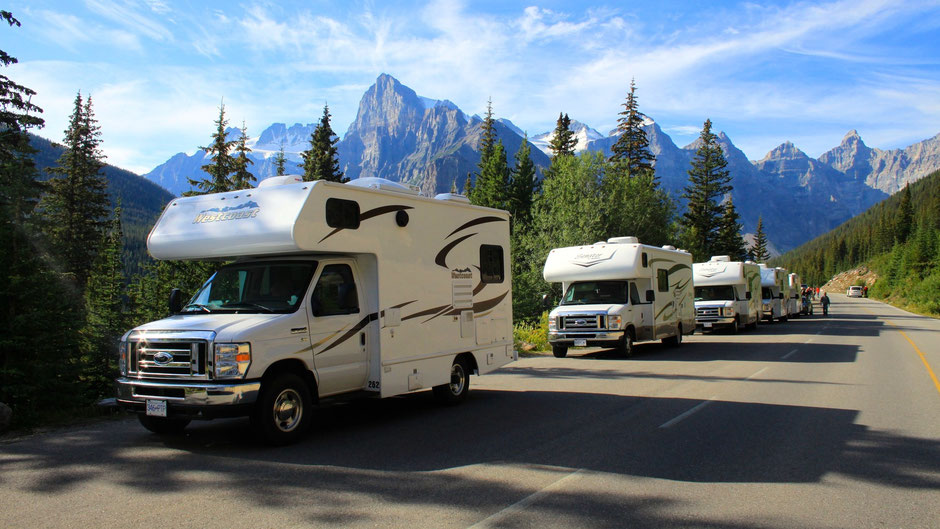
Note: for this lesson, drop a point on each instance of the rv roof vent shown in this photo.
(669, 247)
(280, 180)
(385, 185)
(623, 240)
(750, 262)
(453, 197)
(725, 258)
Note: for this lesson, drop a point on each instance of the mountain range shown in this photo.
(432, 144)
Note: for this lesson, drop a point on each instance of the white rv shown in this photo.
(619, 292)
(727, 293)
(329, 289)
(773, 287)
(794, 298)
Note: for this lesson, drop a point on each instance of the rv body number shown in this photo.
(373, 384)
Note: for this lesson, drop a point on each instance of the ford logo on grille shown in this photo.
(580, 322)
(162, 358)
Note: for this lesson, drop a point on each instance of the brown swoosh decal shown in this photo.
(365, 321)
(368, 215)
(474, 222)
(441, 259)
(483, 305)
(435, 310)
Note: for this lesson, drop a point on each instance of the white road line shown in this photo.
(755, 374)
(788, 355)
(493, 519)
(685, 415)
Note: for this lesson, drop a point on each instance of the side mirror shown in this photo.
(176, 301)
(780, 295)
(747, 296)
(546, 302)
(650, 296)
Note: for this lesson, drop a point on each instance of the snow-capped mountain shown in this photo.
(584, 134)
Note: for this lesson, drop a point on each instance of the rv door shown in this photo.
(338, 329)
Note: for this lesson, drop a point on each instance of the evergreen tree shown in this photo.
(492, 186)
(758, 250)
(523, 185)
(241, 177)
(320, 160)
(468, 186)
(222, 166)
(730, 241)
(904, 219)
(635, 205)
(709, 180)
(632, 147)
(563, 140)
(76, 204)
(105, 312)
(488, 134)
(279, 161)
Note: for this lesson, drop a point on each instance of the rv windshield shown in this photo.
(715, 293)
(596, 292)
(766, 293)
(254, 287)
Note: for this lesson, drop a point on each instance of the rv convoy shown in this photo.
(369, 288)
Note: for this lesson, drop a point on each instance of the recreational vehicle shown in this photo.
(619, 292)
(727, 293)
(794, 295)
(327, 289)
(773, 286)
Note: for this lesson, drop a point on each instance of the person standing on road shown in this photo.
(824, 300)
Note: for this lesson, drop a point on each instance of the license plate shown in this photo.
(580, 343)
(156, 408)
(708, 324)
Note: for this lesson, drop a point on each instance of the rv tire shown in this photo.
(162, 425)
(456, 391)
(625, 347)
(560, 351)
(674, 341)
(733, 328)
(282, 413)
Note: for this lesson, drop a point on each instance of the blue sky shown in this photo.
(763, 72)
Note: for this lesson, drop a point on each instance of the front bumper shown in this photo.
(715, 322)
(597, 338)
(190, 398)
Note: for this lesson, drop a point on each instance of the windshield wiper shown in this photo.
(248, 304)
(198, 306)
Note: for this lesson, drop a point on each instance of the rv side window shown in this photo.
(662, 280)
(634, 295)
(335, 292)
(645, 260)
(342, 213)
(491, 263)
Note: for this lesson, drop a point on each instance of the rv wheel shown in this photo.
(162, 425)
(560, 351)
(625, 348)
(674, 341)
(456, 390)
(282, 413)
(733, 329)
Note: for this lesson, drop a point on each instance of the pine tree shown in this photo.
(76, 205)
(758, 250)
(904, 219)
(730, 241)
(488, 134)
(468, 186)
(523, 185)
(563, 140)
(279, 161)
(105, 312)
(222, 166)
(709, 180)
(320, 160)
(632, 147)
(241, 177)
(492, 186)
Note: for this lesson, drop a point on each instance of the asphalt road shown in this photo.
(817, 422)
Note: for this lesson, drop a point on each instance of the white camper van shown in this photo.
(773, 286)
(727, 293)
(619, 292)
(794, 291)
(329, 289)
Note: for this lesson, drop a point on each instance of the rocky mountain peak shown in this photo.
(785, 150)
(851, 157)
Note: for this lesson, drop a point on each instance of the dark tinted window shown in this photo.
(335, 292)
(491, 263)
(662, 279)
(595, 292)
(634, 295)
(342, 213)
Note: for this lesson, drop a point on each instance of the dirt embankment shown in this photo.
(858, 276)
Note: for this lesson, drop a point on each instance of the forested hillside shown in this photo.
(899, 239)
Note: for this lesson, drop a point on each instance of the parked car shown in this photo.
(854, 292)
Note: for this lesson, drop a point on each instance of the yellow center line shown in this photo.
(923, 358)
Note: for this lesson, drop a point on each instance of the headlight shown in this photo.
(231, 360)
(552, 324)
(614, 322)
(727, 311)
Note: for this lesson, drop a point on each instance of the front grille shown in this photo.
(707, 312)
(166, 358)
(577, 322)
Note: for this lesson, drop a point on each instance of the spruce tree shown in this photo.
(241, 177)
(709, 180)
(904, 219)
(492, 186)
(487, 134)
(758, 251)
(279, 161)
(632, 147)
(321, 161)
(76, 204)
(730, 241)
(563, 140)
(222, 166)
(523, 185)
